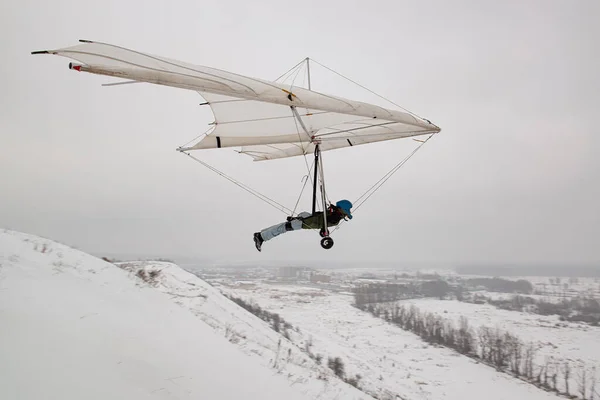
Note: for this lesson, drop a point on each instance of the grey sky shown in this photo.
(513, 176)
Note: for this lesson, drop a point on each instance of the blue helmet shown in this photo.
(345, 206)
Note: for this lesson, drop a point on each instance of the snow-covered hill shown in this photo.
(250, 334)
(75, 327)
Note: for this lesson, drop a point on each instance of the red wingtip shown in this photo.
(74, 66)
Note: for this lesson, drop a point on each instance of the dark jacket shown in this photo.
(315, 221)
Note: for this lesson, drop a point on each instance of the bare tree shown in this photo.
(276, 321)
(546, 374)
(465, 341)
(566, 370)
(429, 322)
(529, 357)
(582, 381)
(593, 385)
(386, 314)
(500, 353)
(318, 359)
(276, 360)
(410, 318)
(308, 344)
(484, 335)
(554, 375)
(400, 317)
(541, 373)
(337, 366)
(515, 353)
(449, 338)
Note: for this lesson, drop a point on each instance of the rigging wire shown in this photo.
(295, 76)
(369, 192)
(365, 88)
(306, 178)
(303, 148)
(305, 75)
(388, 175)
(290, 70)
(247, 188)
(206, 133)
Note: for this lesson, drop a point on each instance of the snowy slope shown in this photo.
(390, 360)
(252, 335)
(75, 327)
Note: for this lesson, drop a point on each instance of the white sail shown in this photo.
(255, 114)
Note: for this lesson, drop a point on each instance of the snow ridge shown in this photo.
(252, 335)
(82, 327)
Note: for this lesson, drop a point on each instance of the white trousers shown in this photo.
(276, 230)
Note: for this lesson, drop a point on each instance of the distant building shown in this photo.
(316, 278)
(290, 272)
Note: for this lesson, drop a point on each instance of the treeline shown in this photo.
(579, 309)
(275, 321)
(502, 350)
(501, 285)
(278, 324)
(564, 271)
(384, 292)
(336, 364)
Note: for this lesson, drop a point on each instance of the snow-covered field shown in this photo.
(569, 340)
(390, 361)
(577, 343)
(75, 327)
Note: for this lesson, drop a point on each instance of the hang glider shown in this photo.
(251, 113)
(265, 120)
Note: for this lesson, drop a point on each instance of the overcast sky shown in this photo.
(512, 178)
